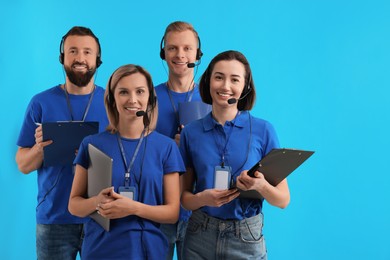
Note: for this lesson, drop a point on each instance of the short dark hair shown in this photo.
(81, 31)
(249, 91)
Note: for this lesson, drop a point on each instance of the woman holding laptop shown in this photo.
(146, 165)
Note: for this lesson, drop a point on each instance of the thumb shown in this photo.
(107, 191)
(114, 194)
(259, 174)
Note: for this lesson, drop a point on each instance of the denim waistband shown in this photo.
(223, 225)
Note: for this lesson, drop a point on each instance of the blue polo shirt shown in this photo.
(132, 237)
(168, 102)
(202, 144)
(54, 183)
(168, 122)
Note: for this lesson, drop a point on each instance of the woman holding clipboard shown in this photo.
(218, 150)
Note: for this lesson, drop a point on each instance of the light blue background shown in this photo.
(321, 70)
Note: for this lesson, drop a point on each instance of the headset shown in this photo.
(248, 87)
(98, 59)
(199, 52)
(206, 77)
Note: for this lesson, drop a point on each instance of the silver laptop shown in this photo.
(99, 177)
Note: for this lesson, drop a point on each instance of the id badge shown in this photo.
(222, 176)
(129, 192)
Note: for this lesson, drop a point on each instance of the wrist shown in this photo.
(96, 201)
(199, 198)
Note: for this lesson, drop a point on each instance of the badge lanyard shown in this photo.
(223, 151)
(128, 167)
(187, 99)
(70, 106)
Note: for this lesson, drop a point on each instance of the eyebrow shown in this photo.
(179, 45)
(233, 75)
(75, 48)
(126, 88)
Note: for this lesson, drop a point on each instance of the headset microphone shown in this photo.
(140, 113)
(191, 65)
(234, 100)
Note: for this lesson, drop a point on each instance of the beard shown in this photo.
(79, 79)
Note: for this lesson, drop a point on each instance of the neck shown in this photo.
(221, 115)
(180, 84)
(75, 90)
(131, 129)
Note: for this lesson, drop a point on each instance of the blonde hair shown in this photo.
(180, 26)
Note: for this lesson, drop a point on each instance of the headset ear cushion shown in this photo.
(162, 53)
(199, 54)
(61, 58)
(98, 62)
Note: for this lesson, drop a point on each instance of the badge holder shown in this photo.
(222, 177)
(129, 192)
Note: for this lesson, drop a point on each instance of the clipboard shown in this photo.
(67, 137)
(276, 166)
(191, 111)
(99, 177)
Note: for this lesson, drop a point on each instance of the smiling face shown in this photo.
(227, 81)
(131, 95)
(80, 53)
(180, 49)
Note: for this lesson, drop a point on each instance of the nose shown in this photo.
(180, 52)
(226, 84)
(79, 57)
(132, 99)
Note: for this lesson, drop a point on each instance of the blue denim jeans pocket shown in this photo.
(194, 227)
(212, 238)
(252, 237)
(58, 241)
(251, 232)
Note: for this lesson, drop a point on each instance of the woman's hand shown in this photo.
(277, 196)
(115, 206)
(246, 182)
(104, 196)
(217, 198)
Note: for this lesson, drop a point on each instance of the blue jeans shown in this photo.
(58, 241)
(212, 238)
(175, 234)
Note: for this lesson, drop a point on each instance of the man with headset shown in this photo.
(58, 233)
(180, 47)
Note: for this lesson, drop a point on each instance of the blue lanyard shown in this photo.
(223, 150)
(187, 99)
(70, 106)
(128, 167)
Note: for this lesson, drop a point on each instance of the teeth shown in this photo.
(131, 108)
(79, 67)
(224, 95)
